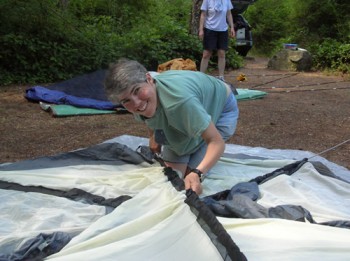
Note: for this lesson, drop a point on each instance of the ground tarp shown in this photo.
(246, 94)
(109, 204)
(69, 110)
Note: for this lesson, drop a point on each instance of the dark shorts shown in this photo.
(214, 40)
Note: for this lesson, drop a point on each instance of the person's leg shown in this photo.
(205, 60)
(175, 161)
(222, 46)
(221, 63)
(182, 167)
(209, 44)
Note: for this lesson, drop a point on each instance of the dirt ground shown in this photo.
(303, 111)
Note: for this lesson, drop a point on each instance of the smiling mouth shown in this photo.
(143, 108)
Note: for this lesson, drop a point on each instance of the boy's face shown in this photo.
(140, 99)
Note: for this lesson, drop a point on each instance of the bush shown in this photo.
(43, 41)
(331, 54)
(155, 45)
(268, 24)
(320, 26)
(35, 60)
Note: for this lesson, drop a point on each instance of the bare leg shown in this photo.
(221, 62)
(178, 166)
(205, 60)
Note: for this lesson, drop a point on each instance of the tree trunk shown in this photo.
(195, 15)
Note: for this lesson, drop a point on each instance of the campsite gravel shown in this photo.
(302, 111)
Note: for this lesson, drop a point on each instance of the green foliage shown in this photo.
(155, 43)
(309, 23)
(46, 41)
(332, 55)
(315, 20)
(38, 42)
(269, 21)
(233, 59)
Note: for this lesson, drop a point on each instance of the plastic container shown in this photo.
(290, 46)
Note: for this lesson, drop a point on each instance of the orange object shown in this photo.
(177, 64)
(241, 77)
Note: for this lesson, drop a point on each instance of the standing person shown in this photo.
(189, 114)
(213, 31)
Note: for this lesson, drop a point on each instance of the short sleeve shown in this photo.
(190, 118)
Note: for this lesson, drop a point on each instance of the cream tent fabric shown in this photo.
(278, 239)
(156, 223)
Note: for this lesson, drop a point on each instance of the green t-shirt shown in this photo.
(187, 102)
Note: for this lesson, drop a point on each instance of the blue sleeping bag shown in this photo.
(39, 93)
(84, 91)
